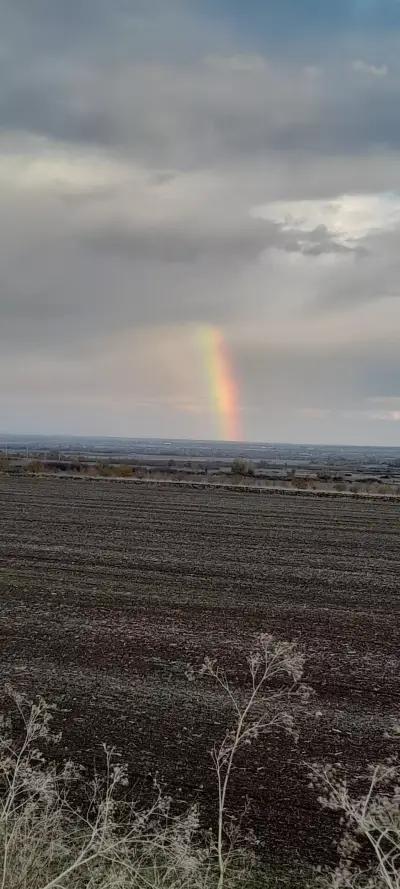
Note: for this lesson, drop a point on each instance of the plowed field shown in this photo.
(108, 590)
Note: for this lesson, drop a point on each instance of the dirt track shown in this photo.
(108, 590)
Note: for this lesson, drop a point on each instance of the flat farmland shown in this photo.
(109, 590)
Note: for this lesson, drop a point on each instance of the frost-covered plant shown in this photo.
(370, 820)
(267, 705)
(46, 841)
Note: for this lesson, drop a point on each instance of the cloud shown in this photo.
(386, 416)
(375, 70)
(237, 64)
(160, 170)
(244, 241)
(350, 217)
(388, 401)
(42, 166)
(384, 407)
(122, 82)
(169, 243)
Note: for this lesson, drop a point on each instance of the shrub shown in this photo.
(35, 466)
(301, 482)
(104, 469)
(125, 471)
(77, 467)
(240, 466)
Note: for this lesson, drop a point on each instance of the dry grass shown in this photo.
(107, 842)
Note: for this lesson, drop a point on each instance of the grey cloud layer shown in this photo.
(146, 141)
(87, 78)
(196, 114)
(245, 242)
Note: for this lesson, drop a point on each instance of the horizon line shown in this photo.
(172, 439)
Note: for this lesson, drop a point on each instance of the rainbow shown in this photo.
(222, 383)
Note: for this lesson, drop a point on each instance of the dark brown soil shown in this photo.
(109, 590)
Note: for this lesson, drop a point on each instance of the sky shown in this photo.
(175, 173)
